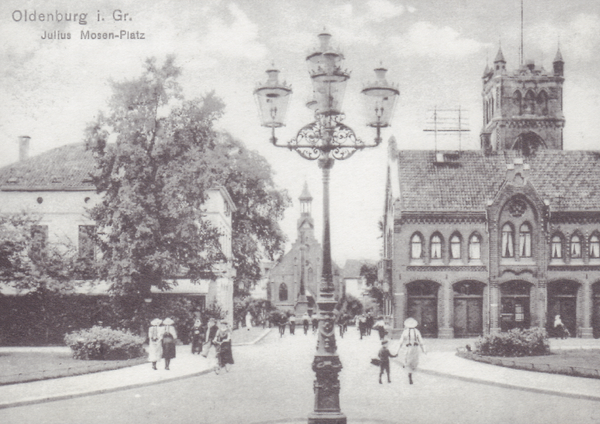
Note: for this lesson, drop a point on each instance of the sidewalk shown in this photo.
(185, 365)
(442, 361)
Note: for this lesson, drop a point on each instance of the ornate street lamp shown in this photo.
(326, 139)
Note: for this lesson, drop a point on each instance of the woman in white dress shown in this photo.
(413, 341)
(155, 333)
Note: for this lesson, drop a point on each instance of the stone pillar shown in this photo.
(494, 307)
(446, 331)
(587, 332)
(542, 304)
(399, 306)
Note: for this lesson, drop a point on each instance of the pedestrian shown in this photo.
(198, 334)
(155, 333)
(346, 320)
(222, 341)
(412, 339)
(560, 330)
(282, 323)
(315, 323)
(380, 326)
(384, 361)
(340, 321)
(248, 321)
(362, 324)
(369, 323)
(305, 322)
(168, 341)
(211, 331)
(293, 324)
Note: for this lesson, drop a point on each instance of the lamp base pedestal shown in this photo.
(327, 418)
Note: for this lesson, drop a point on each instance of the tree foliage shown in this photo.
(154, 180)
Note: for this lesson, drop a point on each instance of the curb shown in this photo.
(511, 386)
(97, 392)
(258, 339)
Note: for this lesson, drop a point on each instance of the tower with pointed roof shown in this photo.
(523, 109)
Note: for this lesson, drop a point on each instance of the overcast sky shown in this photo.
(435, 49)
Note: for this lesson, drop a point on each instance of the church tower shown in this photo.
(523, 109)
(306, 224)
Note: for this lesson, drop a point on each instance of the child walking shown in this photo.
(384, 360)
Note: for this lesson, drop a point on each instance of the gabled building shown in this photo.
(504, 237)
(294, 280)
(56, 187)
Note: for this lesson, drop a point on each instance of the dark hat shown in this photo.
(384, 342)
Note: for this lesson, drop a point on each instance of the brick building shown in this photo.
(503, 237)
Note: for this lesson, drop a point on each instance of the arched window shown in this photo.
(436, 247)
(474, 247)
(525, 241)
(283, 292)
(556, 252)
(542, 101)
(455, 247)
(575, 246)
(416, 247)
(508, 241)
(529, 103)
(594, 247)
(517, 100)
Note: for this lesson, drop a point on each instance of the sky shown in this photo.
(435, 50)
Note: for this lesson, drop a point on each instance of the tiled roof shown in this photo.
(353, 266)
(64, 168)
(569, 180)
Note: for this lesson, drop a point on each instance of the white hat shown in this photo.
(155, 321)
(168, 321)
(410, 323)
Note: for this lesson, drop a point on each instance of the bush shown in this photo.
(516, 342)
(100, 343)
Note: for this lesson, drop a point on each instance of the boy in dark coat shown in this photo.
(384, 361)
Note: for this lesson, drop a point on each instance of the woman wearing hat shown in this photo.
(412, 339)
(198, 335)
(222, 341)
(168, 341)
(155, 333)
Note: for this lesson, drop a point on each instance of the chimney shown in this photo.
(23, 147)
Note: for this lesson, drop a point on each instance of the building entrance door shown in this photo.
(562, 300)
(515, 305)
(468, 309)
(422, 306)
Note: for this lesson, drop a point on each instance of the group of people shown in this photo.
(413, 341)
(306, 320)
(162, 341)
(366, 322)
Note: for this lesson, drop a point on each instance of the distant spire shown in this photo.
(499, 56)
(305, 193)
(558, 57)
(521, 52)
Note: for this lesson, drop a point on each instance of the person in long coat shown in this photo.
(168, 341)
(198, 335)
(155, 333)
(222, 341)
(248, 321)
(413, 341)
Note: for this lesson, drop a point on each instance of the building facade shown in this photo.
(56, 187)
(294, 280)
(478, 242)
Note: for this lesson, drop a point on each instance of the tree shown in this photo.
(369, 273)
(154, 178)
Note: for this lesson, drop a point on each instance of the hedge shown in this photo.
(101, 343)
(516, 342)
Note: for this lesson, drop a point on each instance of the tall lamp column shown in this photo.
(326, 139)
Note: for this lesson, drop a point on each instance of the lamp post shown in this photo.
(326, 139)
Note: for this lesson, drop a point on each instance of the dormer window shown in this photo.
(575, 247)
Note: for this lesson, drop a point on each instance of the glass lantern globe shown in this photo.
(380, 100)
(273, 98)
